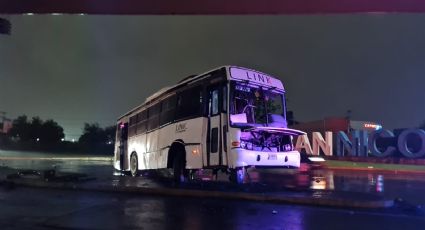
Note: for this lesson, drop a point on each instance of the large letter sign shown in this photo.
(356, 147)
(382, 133)
(303, 143)
(324, 144)
(402, 143)
(409, 143)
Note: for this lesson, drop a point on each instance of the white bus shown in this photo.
(229, 118)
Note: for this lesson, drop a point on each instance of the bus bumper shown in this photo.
(242, 157)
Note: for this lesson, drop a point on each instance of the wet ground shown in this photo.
(410, 187)
(29, 208)
(47, 209)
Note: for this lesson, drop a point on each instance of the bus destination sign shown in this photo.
(254, 76)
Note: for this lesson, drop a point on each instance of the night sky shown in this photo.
(77, 69)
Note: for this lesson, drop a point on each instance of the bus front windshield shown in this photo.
(256, 106)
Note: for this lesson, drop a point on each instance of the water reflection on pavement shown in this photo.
(390, 185)
(54, 209)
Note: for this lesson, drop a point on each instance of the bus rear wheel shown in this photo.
(178, 169)
(134, 165)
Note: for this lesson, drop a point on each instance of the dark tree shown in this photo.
(92, 135)
(21, 129)
(36, 128)
(97, 140)
(51, 133)
(47, 133)
(110, 133)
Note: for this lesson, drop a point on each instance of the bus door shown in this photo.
(123, 135)
(214, 136)
(224, 125)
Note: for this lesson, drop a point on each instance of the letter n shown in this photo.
(343, 143)
(356, 147)
(324, 144)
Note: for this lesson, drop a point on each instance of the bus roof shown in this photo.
(233, 73)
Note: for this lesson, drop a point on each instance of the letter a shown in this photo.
(303, 143)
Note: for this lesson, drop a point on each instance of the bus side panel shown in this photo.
(141, 151)
(193, 135)
(132, 147)
(137, 144)
(234, 135)
(166, 137)
(152, 151)
(117, 155)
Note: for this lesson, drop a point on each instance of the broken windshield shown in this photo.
(257, 106)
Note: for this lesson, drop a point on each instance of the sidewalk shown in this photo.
(371, 166)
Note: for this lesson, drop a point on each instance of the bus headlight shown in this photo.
(249, 145)
(288, 147)
(243, 144)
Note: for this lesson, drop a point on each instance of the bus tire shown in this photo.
(178, 169)
(237, 175)
(134, 165)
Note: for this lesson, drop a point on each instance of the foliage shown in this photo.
(92, 134)
(36, 134)
(51, 132)
(110, 133)
(97, 139)
(46, 132)
(20, 129)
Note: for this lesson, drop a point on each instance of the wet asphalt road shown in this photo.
(29, 208)
(410, 187)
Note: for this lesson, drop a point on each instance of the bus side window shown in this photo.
(132, 128)
(167, 110)
(141, 126)
(214, 104)
(153, 120)
(189, 103)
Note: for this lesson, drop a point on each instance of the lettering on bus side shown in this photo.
(257, 77)
(181, 128)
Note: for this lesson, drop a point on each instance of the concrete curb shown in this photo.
(262, 197)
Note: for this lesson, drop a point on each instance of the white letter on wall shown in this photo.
(320, 143)
(303, 143)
